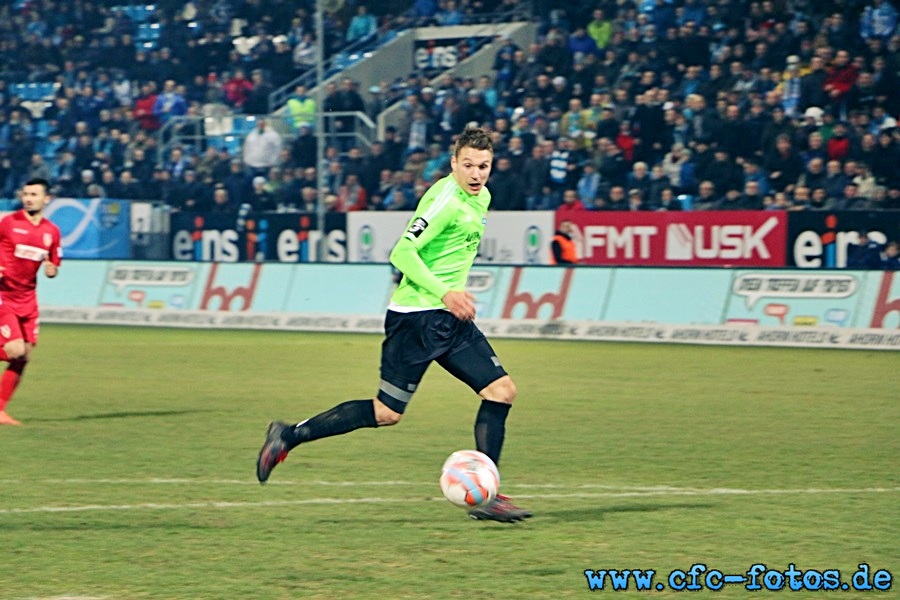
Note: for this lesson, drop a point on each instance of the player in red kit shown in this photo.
(27, 241)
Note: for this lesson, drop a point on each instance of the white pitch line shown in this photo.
(185, 481)
(70, 598)
(332, 501)
(647, 489)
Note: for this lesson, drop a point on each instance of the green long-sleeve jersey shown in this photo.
(439, 246)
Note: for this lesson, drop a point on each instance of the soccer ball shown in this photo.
(469, 479)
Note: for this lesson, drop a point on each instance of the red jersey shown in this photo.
(23, 249)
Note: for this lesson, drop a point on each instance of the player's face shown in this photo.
(34, 198)
(471, 168)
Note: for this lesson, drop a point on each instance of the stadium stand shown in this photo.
(721, 92)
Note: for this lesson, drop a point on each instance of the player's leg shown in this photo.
(401, 371)
(281, 437)
(477, 365)
(490, 422)
(15, 350)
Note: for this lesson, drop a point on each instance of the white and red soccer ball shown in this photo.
(469, 479)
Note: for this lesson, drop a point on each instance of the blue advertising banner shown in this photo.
(92, 228)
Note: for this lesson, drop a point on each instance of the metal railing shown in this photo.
(194, 134)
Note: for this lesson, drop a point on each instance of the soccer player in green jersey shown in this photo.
(430, 318)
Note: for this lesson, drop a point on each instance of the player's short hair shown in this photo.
(39, 181)
(474, 137)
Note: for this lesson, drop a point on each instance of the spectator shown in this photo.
(448, 14)
(423, 11)
(865, 254)
(668, 201)
(570, 203)
(588, 187)
(304, 54)
(580, 43)
(563, 248)
(839, 80)
(143, 108)
(362, 26)
(257, 99)
(815, 175)
(802, 198)
(890, 257)
(236, 183)
(812, 86)
(221, 202)
(616, 200)
(507, 187)
(678, 168)
(415, 164)
(170, 103)
(188, 194)
(639, 178)
(852, 199)
(261, 199)
(600, 29)
(262, 149)
(80, 189)
(563, 173)
(476, 109)
(237, 87)
(783, 165)
(752, 198)
(504, 65)
(128, 187)
(347, 100)
(535, 178)
(706, 199)
(886, 162)
(613, 166)
(303, 149)
(401, 194)
(725, 173)
(420, 133)
(636, 199)
(38, 169)
(302, 108)
(309, 199)
(352, 196)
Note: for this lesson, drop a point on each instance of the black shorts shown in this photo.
(413, 340)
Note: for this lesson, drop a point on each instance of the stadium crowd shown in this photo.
(615, 105)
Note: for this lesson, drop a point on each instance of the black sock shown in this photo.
(490, 428)
(343, 418)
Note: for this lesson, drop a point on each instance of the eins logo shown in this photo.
(828, 249)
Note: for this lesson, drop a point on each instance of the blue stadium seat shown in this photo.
(231, 143)
(140, 13)
(147, 32)
(243, 125)
(42, 129)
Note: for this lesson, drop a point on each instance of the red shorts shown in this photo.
(14, 327)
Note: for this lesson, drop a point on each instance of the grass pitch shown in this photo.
(133, 476)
